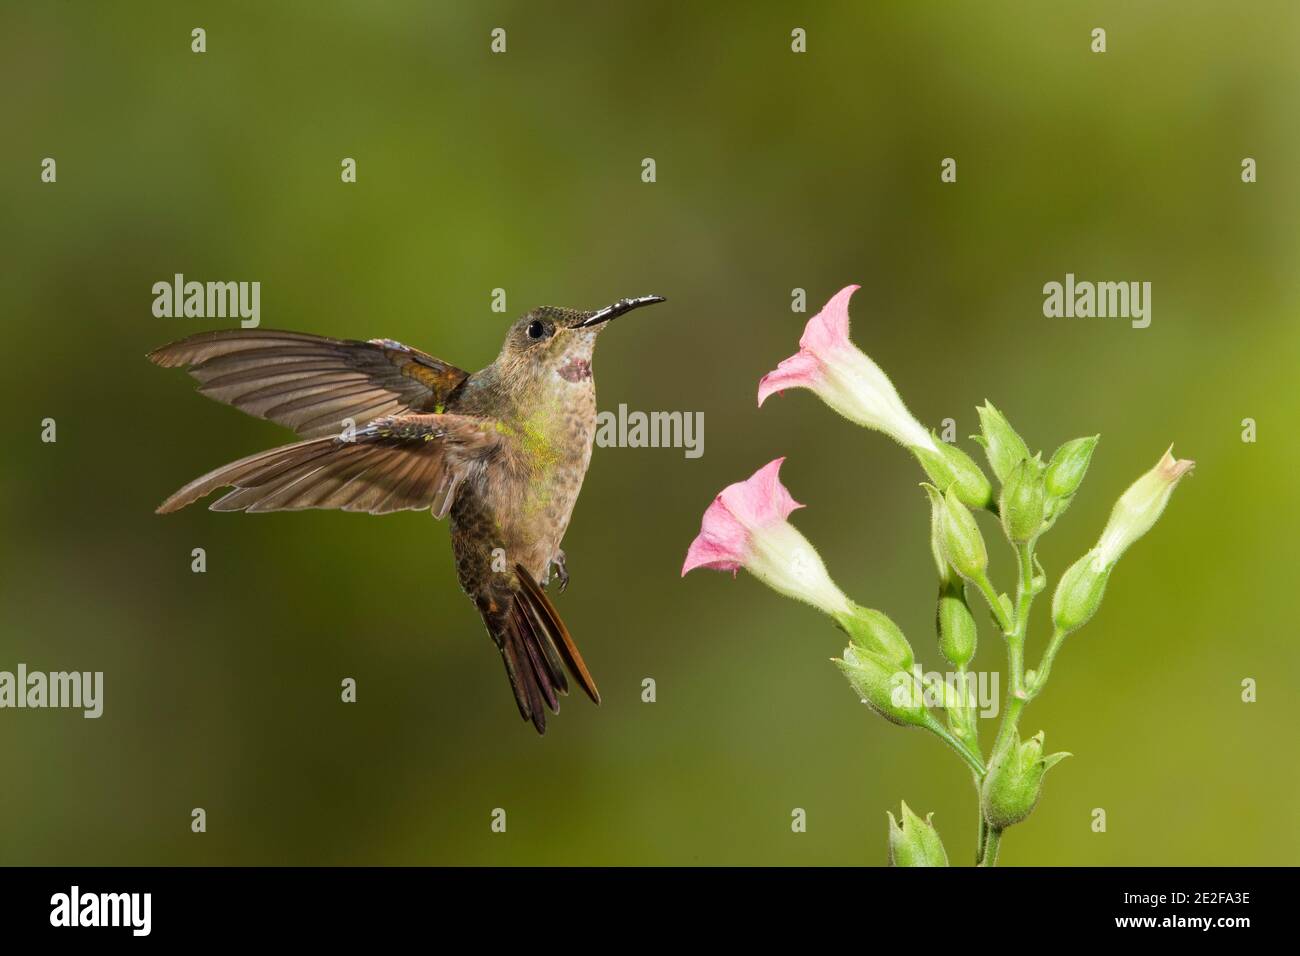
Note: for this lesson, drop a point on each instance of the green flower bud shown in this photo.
(946, 573)
(1021, 506)
(955, 624)
(892, 693)
(949, 466)
(873, 631)
(915, 842)
(959, 537)
(1005, 449)
(1081, 588)
(1015, 781)
(1079, 593)
(1055, 507)
(1068, 466)
(1139, 507)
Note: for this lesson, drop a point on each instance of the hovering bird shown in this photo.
(386, 427)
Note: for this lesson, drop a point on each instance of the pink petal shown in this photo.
(760, 500)
(1172, 469)
(739, 510)
(829, 328)
(721, 543)
(798, 371)
(825, 333)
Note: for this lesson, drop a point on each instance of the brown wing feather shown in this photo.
(397, 463)
(309, 382)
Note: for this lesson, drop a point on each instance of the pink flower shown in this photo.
(746, 526)
(844, 378)
(739, 510)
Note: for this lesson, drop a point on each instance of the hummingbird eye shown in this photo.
(536, 330)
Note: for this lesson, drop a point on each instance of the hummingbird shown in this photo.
(386, 427)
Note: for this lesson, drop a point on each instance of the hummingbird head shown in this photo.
(549, 342)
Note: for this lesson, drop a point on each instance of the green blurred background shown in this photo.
(522, 171)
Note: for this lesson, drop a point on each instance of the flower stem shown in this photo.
(961, 747)
(1007, 730)
(1017, 696)
(985, 587)
(1045, 666)
(961, 713)
(991, 843)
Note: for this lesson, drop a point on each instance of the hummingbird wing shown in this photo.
(402, 462)
(309, 382)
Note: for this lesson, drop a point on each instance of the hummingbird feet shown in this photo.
(561, 572)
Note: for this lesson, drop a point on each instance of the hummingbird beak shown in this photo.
(617, 309)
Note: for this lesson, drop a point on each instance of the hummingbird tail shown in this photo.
(544, 610)
(536, 648)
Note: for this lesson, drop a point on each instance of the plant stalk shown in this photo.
(991, 843)
(1017, 695)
